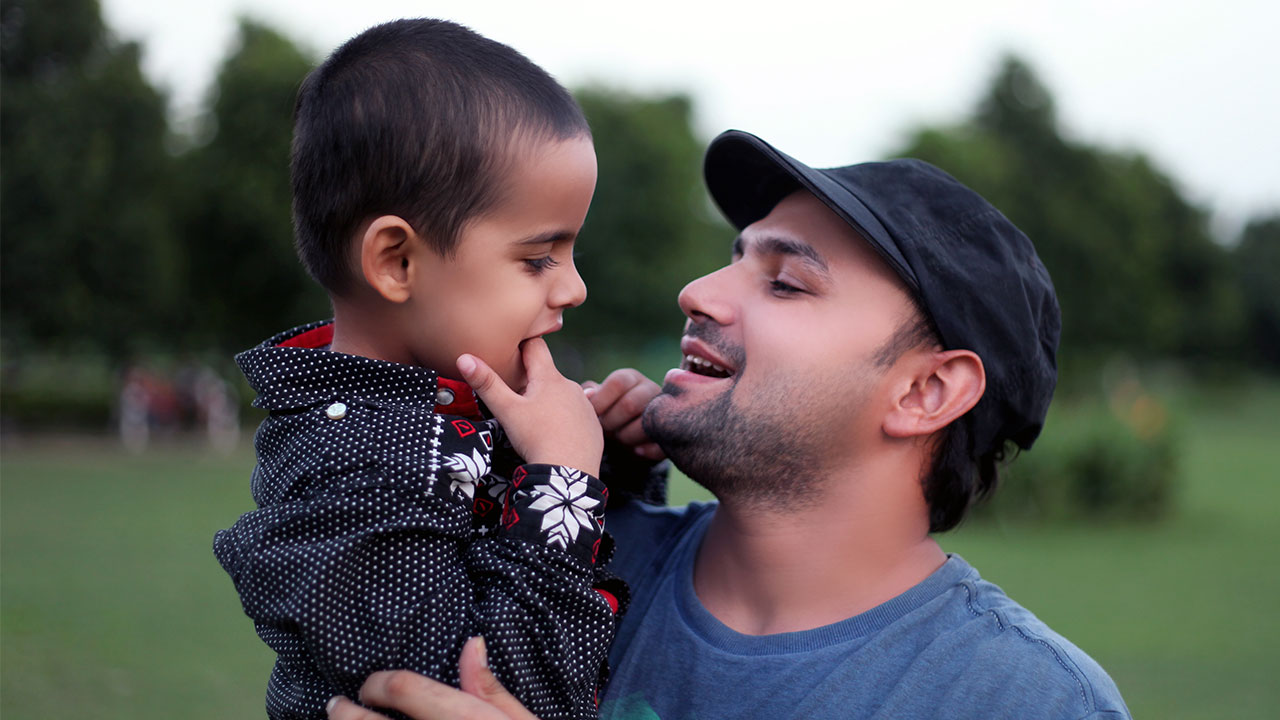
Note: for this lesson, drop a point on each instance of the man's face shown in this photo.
(780, 379)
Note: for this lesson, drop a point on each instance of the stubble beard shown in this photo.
(764, 455)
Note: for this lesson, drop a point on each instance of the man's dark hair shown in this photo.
(413, 118)
(956, 478)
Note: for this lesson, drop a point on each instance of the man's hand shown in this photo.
(552, 422)
(619, 401)
(482, 697)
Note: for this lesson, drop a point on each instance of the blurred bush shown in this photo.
(1109, 457)
(157, 395)
(55, 393)
(1258, 267)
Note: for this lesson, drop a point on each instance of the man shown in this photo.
(849, 383)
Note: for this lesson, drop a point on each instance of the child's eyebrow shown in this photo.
(774, 245)
(550, 236)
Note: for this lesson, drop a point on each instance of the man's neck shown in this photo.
(766, 572)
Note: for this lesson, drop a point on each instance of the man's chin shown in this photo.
(656, 419)
(672, 422)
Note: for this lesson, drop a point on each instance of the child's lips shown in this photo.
(554, 328)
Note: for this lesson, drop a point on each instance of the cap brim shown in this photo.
(747, 177)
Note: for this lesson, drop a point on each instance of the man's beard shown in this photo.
(764, 455)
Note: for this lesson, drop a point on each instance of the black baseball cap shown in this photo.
(976, 275)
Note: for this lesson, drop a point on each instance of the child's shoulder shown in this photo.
(339, 421)
(296, 370)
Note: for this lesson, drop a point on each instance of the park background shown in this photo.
(144, 238)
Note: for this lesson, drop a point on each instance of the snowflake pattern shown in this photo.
(466, 471)
(565, 505)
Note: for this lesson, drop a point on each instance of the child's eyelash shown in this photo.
(537, 265)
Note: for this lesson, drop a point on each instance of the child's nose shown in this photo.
(570, 290)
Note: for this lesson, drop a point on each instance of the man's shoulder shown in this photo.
(991, 652)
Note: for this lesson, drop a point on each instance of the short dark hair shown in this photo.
(414, 118)
(954, 480)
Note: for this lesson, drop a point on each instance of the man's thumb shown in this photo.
(478, 680)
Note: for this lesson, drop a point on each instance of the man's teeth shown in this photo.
(704, 366)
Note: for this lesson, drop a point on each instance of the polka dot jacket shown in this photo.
(394, 522)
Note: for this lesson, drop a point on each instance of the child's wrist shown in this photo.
(587, 465)
(556, 505)
(592, 471)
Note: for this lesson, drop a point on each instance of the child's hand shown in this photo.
(620, 401)
(552, 422)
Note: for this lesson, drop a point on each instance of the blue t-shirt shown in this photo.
(954, 646)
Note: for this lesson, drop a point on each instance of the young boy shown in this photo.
(440, 180)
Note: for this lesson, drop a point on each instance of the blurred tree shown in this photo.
(89, 260)
(243, 280)
(650, 229)
(1133, 262)
(1257, 260)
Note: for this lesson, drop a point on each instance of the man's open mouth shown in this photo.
(702, 366)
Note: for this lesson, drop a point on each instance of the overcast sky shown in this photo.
(1194, 84)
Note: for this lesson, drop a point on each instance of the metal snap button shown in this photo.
(444, 396)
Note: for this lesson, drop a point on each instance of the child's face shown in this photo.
(513, 274)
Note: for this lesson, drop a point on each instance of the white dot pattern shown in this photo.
(387, 534)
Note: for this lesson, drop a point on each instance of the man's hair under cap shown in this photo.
(976, 275)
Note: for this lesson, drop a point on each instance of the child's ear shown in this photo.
(944, 386)
(386, 249)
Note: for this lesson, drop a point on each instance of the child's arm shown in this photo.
(382, 575)
(554, 499)
(406, 590)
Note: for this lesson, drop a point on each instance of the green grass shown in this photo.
(112, 605)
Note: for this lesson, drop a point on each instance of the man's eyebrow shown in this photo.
(550, 236)
(775, 245)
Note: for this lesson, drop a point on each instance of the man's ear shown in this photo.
(386, 247)
(946, 385)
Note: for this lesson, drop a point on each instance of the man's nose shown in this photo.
(570, 290)
(707, 298)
